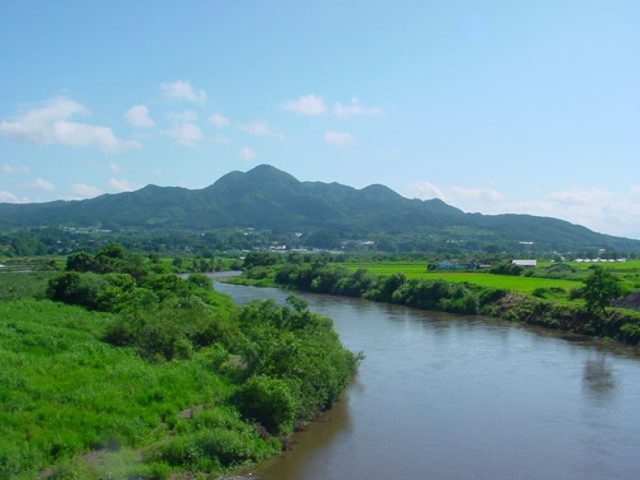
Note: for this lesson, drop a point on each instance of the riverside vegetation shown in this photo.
(116, 370)
(557, 301)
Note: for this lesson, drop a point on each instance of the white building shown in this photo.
(525, 263)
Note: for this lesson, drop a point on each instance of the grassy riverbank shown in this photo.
(150, 376)
(554, 301)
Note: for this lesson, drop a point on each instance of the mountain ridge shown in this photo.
(268, 198)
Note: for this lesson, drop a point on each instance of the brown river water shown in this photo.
(440, 396)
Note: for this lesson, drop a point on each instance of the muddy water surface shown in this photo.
(446, 397)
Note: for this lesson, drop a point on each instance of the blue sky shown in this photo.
(494, 106)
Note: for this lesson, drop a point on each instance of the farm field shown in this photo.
(519, 284)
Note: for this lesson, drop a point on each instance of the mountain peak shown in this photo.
(266, 197)
(380, 190)
(269, 172)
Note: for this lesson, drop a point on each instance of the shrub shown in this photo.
(491, 295)
(506, 269)
(208, 449)
(267, 401)
(79, 289)
(200, 281)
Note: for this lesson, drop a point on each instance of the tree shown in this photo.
(600, 289)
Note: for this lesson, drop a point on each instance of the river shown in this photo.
(440, 396)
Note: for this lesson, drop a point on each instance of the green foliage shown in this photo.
(14, 286)
(600, 289)
(267, 401)
(299, 347)
(86, 289)
(209, 449)
(112, 258)
(506, 269)
(200, 281)
(172, 369)
(272, 201)
(630, 333)
(256, 259)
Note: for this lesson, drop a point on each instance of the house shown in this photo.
(525, 263)
(446, 265)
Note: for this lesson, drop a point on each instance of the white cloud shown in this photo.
(40, 184)
(480, 193)
(187, 134)
(114, 167)
(260, 129)
(138, 116)
(8, 197)
(595, 208)
(186, 116)
(219, 120)
(424, 190)
(246, 154)
(337, 138)
(7, 168)
(257, 128)
(82, 190)
(183, 90)
(355, 108)
(121, 185)
(50, 124)
(306, 105)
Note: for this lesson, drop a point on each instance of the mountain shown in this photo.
(267, 198)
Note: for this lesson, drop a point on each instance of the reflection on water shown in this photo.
(598, 380)
(444, 397)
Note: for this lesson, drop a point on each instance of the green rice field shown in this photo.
(519, 284)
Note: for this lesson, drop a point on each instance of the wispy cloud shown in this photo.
(8, 168)
(595, 208)
(120, 185)
(337, 139)
(138, 117)
(187, 134)
(261, 129)
(246, 154)
(114, 167)
(183, 90)
(40, 184)
(8, 197)
(218, 120)
(51, 124)
(478, 193)
(355, 108)
(306, 105)
(82, 190)
(182, 117)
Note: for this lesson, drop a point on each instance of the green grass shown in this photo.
(518, 284)
(64, 392)
(14, 286)
(151, 392)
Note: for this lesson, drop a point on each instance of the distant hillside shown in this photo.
(268, 198)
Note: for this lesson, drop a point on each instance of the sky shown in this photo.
(493, 106)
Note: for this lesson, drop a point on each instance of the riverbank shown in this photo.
(616, 324)
(154, 377)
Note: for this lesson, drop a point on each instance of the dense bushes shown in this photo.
(300, 348)
(253, 372)
(267, 401)
(396, 288)
(506, 269)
